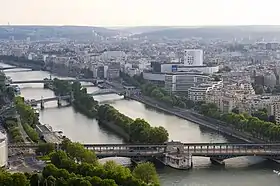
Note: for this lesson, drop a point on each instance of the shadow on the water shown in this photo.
(205, 130)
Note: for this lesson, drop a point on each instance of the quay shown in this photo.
(47, 134)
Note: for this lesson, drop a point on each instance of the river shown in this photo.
(243, 171)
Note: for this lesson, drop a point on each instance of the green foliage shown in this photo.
(139, 130)
(258, 128)
(28, 118)
(26, 112)
(108, 174)
(11, 127)
(82, 102)
(45, 148)
(16, 179)
(147, 173)
(61, 87)
(78, 152)
(33, 135)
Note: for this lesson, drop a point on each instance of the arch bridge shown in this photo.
(67, 97)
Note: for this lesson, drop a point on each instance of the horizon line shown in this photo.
(133, 26)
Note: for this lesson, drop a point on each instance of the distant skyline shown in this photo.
(126, 13)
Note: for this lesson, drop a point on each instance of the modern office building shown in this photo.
(182, 82)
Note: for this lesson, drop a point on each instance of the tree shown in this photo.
(58, 157)
(45, 148)
(35, 180)
(19, 179)
(50, 181)
(146, 172)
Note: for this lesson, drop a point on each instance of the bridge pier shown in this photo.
(42, 104)
(71, 97)
(59, 101)
(217, 161)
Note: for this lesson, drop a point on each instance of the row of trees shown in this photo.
(83, 102)
(258, 124)
(11, 126)
(73, 165)
(139, 130)
(32, 133)
(28, 118)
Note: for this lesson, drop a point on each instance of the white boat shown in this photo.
(178, 161)
(276, 172)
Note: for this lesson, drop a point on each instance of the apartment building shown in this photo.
(276, 111)
(198, 93)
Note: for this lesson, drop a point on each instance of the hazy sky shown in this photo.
(139, 12)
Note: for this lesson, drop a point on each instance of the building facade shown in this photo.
(193, 57)
(198, 93)
(182, 82)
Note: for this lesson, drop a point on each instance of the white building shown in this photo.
(193, 57)
(276, 109)
(198, 93)
(3, 150)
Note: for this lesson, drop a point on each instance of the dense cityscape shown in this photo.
(224, 80)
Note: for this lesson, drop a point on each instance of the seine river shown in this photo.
(243, 171)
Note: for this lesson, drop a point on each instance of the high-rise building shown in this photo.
(193, 57)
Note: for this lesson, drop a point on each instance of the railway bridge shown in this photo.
(217, 152)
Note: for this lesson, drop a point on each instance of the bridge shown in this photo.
(218, 151)
(49, 81)
(97, 92)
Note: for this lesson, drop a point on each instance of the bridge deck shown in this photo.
(205, 149)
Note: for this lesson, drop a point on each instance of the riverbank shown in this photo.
(190, 116)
